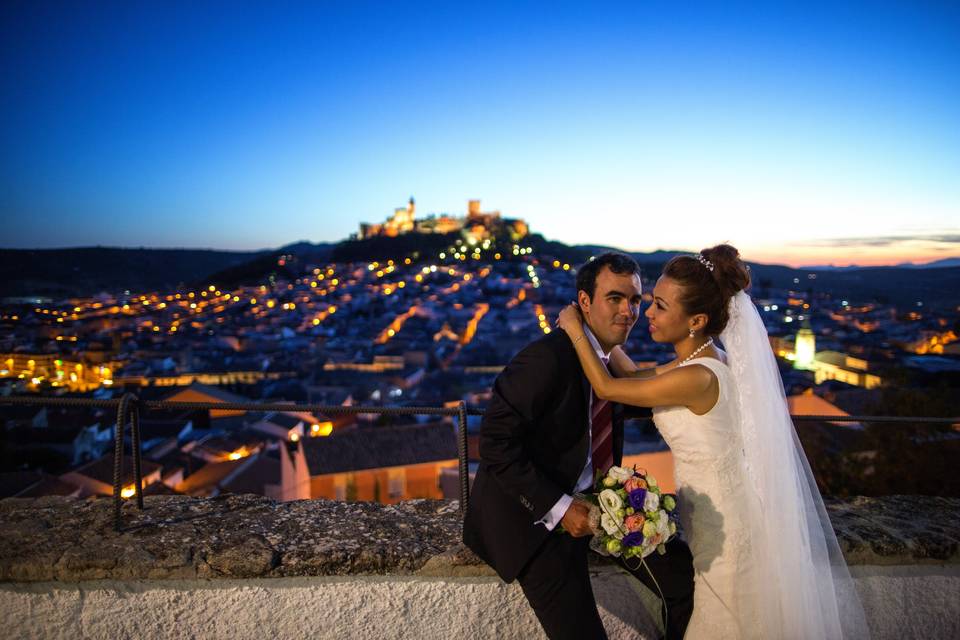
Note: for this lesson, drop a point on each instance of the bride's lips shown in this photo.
(653, 328)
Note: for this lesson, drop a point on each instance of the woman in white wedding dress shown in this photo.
(766, 559)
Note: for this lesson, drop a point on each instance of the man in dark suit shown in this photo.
(543, 437)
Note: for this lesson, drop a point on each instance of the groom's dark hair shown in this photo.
(618, 263)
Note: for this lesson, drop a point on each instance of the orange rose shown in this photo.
(634, 522)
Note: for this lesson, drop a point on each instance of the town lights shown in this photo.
(322, 430)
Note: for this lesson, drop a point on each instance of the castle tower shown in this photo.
(473, 208)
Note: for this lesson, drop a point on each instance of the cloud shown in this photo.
(885, 241)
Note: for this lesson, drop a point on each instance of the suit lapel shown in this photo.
(586, 391)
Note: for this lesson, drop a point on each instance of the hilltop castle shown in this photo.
(476, 224)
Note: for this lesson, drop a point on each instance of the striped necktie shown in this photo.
(601, 433)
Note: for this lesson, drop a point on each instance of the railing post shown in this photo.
(462, 453)
(122, 411)
(135, 428)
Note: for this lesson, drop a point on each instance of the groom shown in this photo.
(539, 446)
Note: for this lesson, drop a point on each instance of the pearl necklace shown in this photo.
(699, 349)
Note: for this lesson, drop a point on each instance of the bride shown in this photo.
(766, 558)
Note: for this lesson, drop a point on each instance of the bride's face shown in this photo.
(668, 321)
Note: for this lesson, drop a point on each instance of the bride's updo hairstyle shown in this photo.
(707, 290)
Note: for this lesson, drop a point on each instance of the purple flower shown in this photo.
(634, 539)
(637, 496)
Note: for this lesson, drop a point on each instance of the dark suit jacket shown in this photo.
(533, 446)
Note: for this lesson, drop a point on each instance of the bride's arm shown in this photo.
(682, 386)
(624, 367)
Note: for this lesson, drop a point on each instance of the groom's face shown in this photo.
(614, 309)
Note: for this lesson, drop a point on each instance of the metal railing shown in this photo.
(129, 407)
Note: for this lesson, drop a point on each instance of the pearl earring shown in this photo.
(692, 333)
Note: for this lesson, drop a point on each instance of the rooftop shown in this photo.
(379, 447)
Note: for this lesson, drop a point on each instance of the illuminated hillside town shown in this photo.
(412, 329)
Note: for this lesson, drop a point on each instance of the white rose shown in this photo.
(610, 502)
(663, 524)
(620, 474)
(651, 502)
(609, 524)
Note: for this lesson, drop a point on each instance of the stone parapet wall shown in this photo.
(246, 566)
(247, 536)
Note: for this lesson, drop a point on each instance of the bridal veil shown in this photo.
(806, 588)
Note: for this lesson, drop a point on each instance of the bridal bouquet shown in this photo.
(635, 517)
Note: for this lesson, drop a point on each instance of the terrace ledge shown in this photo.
(317, 568)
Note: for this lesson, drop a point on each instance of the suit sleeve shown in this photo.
(521, 396)
(631, 412)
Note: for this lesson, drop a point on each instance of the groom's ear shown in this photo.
(583, 299)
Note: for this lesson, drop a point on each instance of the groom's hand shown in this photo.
(576, 521)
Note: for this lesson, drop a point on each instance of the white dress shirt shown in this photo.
(585, 482)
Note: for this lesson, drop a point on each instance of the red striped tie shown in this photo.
(601, 434)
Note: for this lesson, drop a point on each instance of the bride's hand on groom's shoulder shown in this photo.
(570, 320)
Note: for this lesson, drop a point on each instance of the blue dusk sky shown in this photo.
(804, 133)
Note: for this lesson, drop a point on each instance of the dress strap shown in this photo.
(719, 369)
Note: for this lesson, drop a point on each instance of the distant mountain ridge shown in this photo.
(936, 264)
(82, 271)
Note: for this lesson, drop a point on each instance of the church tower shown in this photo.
(805, 348)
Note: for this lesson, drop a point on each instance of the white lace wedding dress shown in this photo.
(717, 507)
(767, 561)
